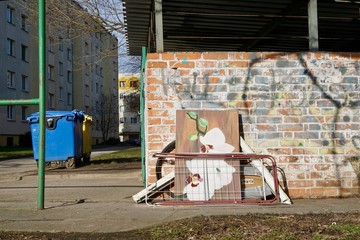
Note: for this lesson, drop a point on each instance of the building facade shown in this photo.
(81, 66)
(129, 117)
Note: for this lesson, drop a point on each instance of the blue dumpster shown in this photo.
(63, 136)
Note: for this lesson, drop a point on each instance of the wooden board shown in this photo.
(207, 131)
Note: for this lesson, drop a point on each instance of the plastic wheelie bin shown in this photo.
(86, 128)
(63, 137)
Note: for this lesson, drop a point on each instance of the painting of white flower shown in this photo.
(207, 175)
(214, 142)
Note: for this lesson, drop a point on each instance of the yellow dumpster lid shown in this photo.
(87, 118)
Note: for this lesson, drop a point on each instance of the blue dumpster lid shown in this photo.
(76, 114)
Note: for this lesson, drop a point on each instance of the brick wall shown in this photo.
(302, 108)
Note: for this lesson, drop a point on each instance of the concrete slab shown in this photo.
(102, 202)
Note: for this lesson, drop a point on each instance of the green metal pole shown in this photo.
(42, 104)
(34, 101)
(142, 111)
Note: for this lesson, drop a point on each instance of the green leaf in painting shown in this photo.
(192, 115)
(193, 137)
(203, 122)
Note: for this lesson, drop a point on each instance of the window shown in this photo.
(23, 113)
(24, 83)
(87, 69)
(24, 23)
(133, 120)
(10, 11)
(69, 57)
(61, 44)
(61, 68)
(97, 69)
(101, 71)
(10, 112)
(61, 93)
(10, 47)
(51, 72)
(24, 53)
(69, 99)
(87, 90)
(123, 120)
(86, 48)
(122, 108)
(97, 126)
(133, 84)
(122, 84)
(122, 96)
(51, 45)
(10, 79)
(97, 87)
(69, 76)
(51, 100)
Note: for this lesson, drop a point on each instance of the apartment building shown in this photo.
(129, 107)
(81, 64)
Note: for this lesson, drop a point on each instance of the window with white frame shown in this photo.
(10, 13)
(133, 120)
(24, 83)
(10, 79)
(10, 47)
(122, 84)
(133, 84)
(10, 112)
(123, 120)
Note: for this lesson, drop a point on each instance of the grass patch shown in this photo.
(15, 152)
(126, 155)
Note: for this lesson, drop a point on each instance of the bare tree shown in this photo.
(76, 18)
(107, 112)
(132, 101)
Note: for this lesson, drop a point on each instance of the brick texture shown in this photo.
(302, 108)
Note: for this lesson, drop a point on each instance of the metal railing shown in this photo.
(204, 178)
(41, 101)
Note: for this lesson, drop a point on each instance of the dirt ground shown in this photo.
(308, 226)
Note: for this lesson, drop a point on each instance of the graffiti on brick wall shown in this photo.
(326, 91)
(278, 87)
